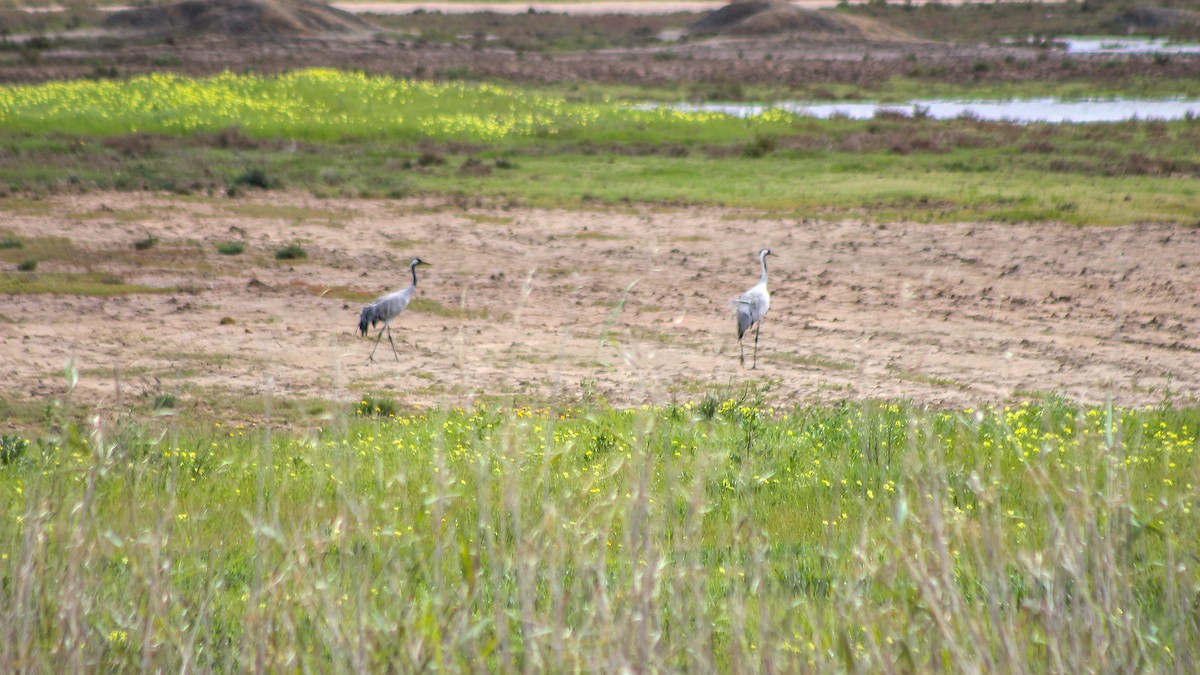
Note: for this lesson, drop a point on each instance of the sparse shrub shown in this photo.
(761, 146)
(1040, 146)
(133, 145)
(166, 60)
(330, 176)
(29, 265)
(145, 244)
(721, 89)
(163, 401)
(471, 166)
(234, 137)
(459, 73)
(250, 178)
(401, 189)
(11, 448)
(291, 252)
(105, 72)
(430, 158)
(230, 248)
(11, 242)
(379, 406)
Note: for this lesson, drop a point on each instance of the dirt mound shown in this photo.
(1149, 16)
(778, 17)
(245, 18)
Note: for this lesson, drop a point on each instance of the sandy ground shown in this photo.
(949, 315)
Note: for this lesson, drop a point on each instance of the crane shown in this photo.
(387, 308)
(752, 307)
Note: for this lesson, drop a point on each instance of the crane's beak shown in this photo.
(424, 264)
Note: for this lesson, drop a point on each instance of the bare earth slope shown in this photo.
(944, 314)
(250, 18)
(761, 18)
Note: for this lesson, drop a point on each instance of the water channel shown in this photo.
(1022, 111)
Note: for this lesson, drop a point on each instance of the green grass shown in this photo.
(282, 212)
(428, 306)
(324, 105)
(117, 215)
(929, 188)
(568, 153)
(923, 81)
(1088, 174)
(95, 284)
(291, 252)
(60, 249)
(702, 537)
(348, 293)
(478, 219)
(817, 361)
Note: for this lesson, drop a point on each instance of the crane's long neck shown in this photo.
(413, 269)
(763, 260)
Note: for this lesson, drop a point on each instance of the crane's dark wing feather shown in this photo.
(366, 318)
(744, 319)
(750, 309)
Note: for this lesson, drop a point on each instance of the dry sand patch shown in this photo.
(524, 302)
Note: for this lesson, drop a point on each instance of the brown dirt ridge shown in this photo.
(778, 17)
(174, 40)
(247, 18)
(526, 304)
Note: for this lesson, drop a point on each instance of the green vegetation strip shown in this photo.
(96, 284)
(701, 537)
(383, 137)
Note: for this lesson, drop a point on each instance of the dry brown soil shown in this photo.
(948, 315)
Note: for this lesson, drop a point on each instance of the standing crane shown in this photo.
(388, 307)
(752, 307)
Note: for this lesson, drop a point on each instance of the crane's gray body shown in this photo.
(387, 308)
(751, 307)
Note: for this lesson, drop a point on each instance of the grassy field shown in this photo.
(346, 134)
(716, 534)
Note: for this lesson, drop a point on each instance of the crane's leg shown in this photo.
(757, 327)
(742, 350)
(393, 345)
(377, 339)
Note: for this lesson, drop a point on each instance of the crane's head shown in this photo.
(417, 262)
(764, 253)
